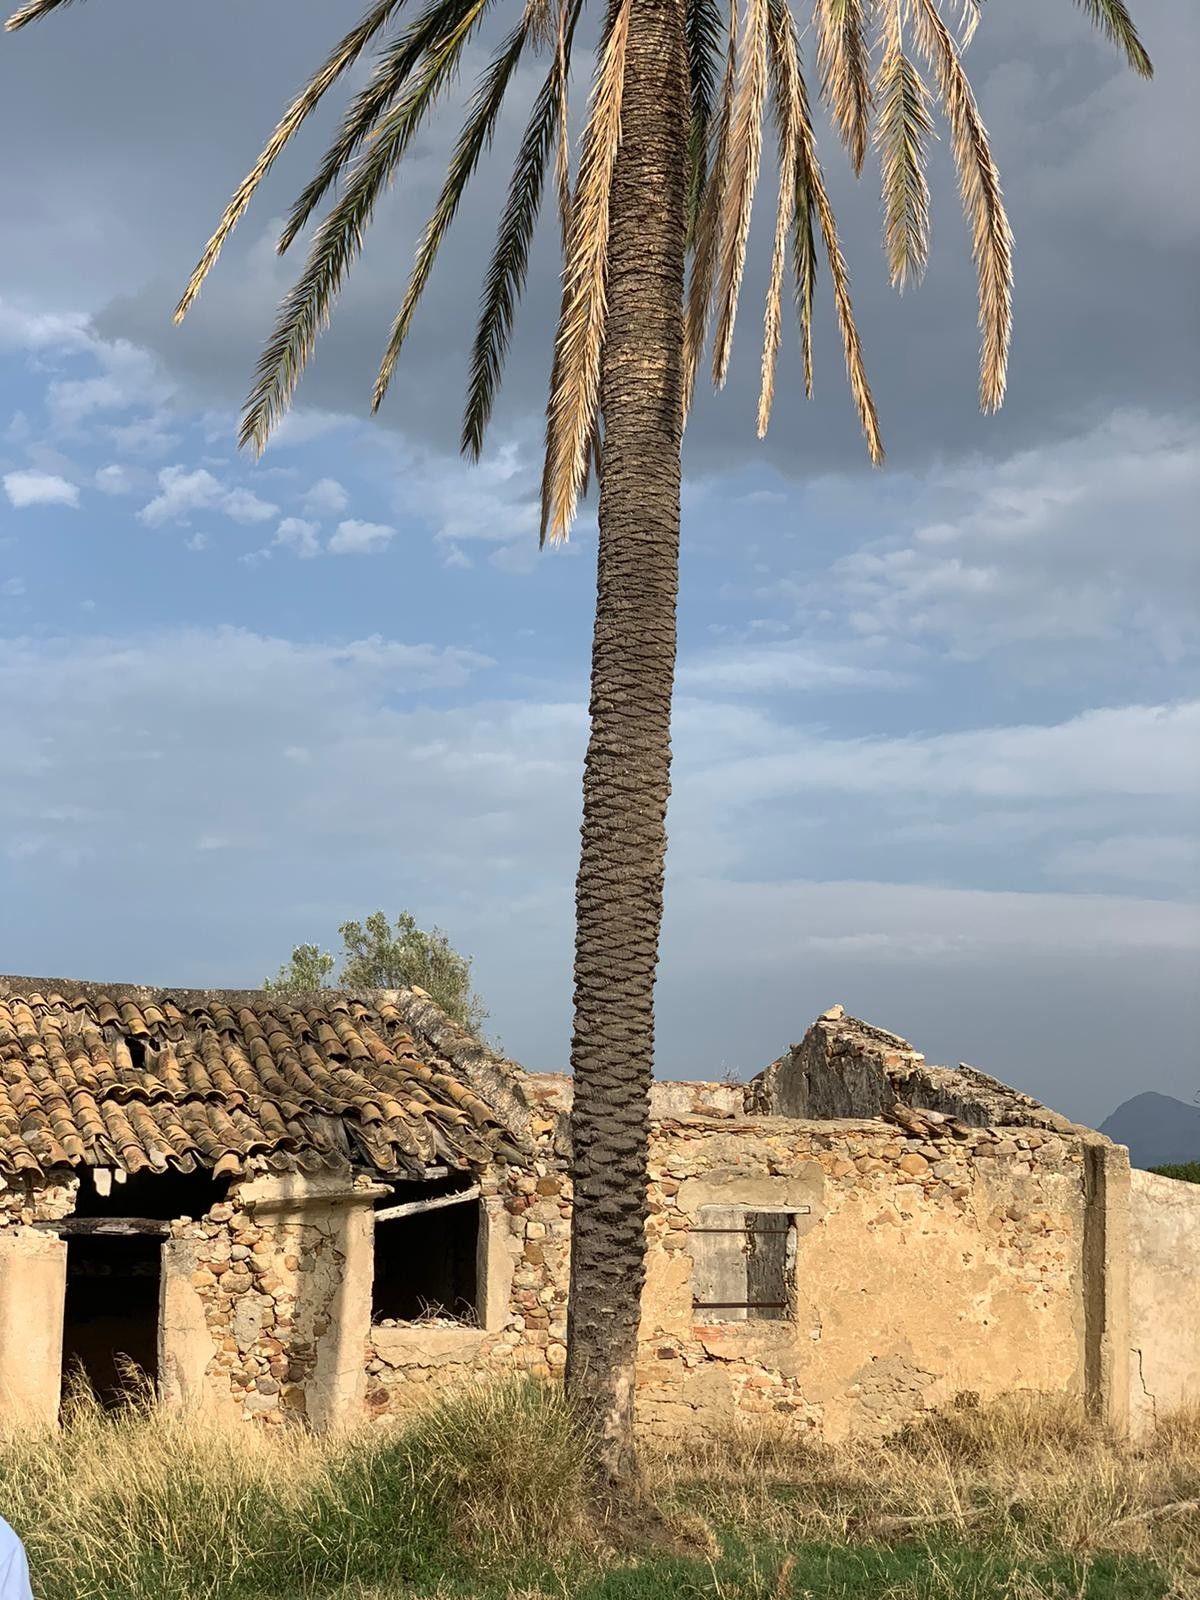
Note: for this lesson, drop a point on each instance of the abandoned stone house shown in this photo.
(325, 1209)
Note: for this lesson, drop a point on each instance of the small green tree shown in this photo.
(310, 968)
(376, 956)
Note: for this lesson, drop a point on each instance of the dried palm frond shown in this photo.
(704, 33)
(306, 307)
(810, 182)
(708, 226)
(844, 64)
(1113, 19)
(539, 23)
(33, 11)
(510, 258)
(393, 68)
(972, 11)
(903, 128)
(787, 124)
(475, 137)
(576, 391)
(340, 59)
(745, 157)
(979, 185)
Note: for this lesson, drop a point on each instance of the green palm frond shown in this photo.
(505, 278)
(34, 11)
(705, 32)
(903, 128)
(343, 56)
(474, 139)
(306, 308)
(1113, 19)
(393, 68)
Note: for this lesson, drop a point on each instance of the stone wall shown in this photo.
(1164, 1291)
(921, 1272)
(524, 1270)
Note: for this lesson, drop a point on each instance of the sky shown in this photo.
(937, 725)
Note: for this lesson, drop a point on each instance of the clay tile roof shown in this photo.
(113, 1076)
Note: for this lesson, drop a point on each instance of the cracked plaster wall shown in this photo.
(1164, 1294)
(921, 1272)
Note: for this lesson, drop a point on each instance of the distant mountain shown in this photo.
(1159, 1130)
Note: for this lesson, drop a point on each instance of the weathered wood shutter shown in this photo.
(742, 1264)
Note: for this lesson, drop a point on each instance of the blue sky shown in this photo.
(937, 726)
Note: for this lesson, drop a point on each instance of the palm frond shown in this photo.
(340, 58)
(393, 68)
(979, 185)
(704, 31)
(562, 155)
(745, 157)
(971, 12)
(787, 123)
(306, 308)
(510, 258)
(575, 396)
(844, 64)
(1113, 19)
(475, 137)
(903, 128)
(810, 186)
(708, 226)
(32, 11)
(539, 23)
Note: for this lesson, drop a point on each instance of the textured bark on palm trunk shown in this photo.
(627, 772)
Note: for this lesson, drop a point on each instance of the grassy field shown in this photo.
(483, 1497)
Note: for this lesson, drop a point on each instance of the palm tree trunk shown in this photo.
(627, 771)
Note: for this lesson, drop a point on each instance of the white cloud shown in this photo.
(299, 537)
(354, 538)
(303, 425)
(1171, 860)
(1159, 756)
(12, 588)
(29, 488)
(128, 377)
(23, 329)
(757, 669)
(326, 498)
(181, 493)
(1086, 540)
(115, 479)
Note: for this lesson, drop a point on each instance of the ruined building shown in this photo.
(324, 1209)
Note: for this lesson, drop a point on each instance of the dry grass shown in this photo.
(1031, 1473)
(484, 1496)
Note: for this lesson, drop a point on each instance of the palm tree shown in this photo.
(668, 167)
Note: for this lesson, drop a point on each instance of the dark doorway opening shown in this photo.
(111, 1316)
(110, 1322)
(427, 1265)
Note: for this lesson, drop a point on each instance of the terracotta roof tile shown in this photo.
(143, 1080)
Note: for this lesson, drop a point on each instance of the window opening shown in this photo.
(427, 1254)
(744, 1263)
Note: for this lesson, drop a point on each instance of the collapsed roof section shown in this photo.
(846, 1068)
